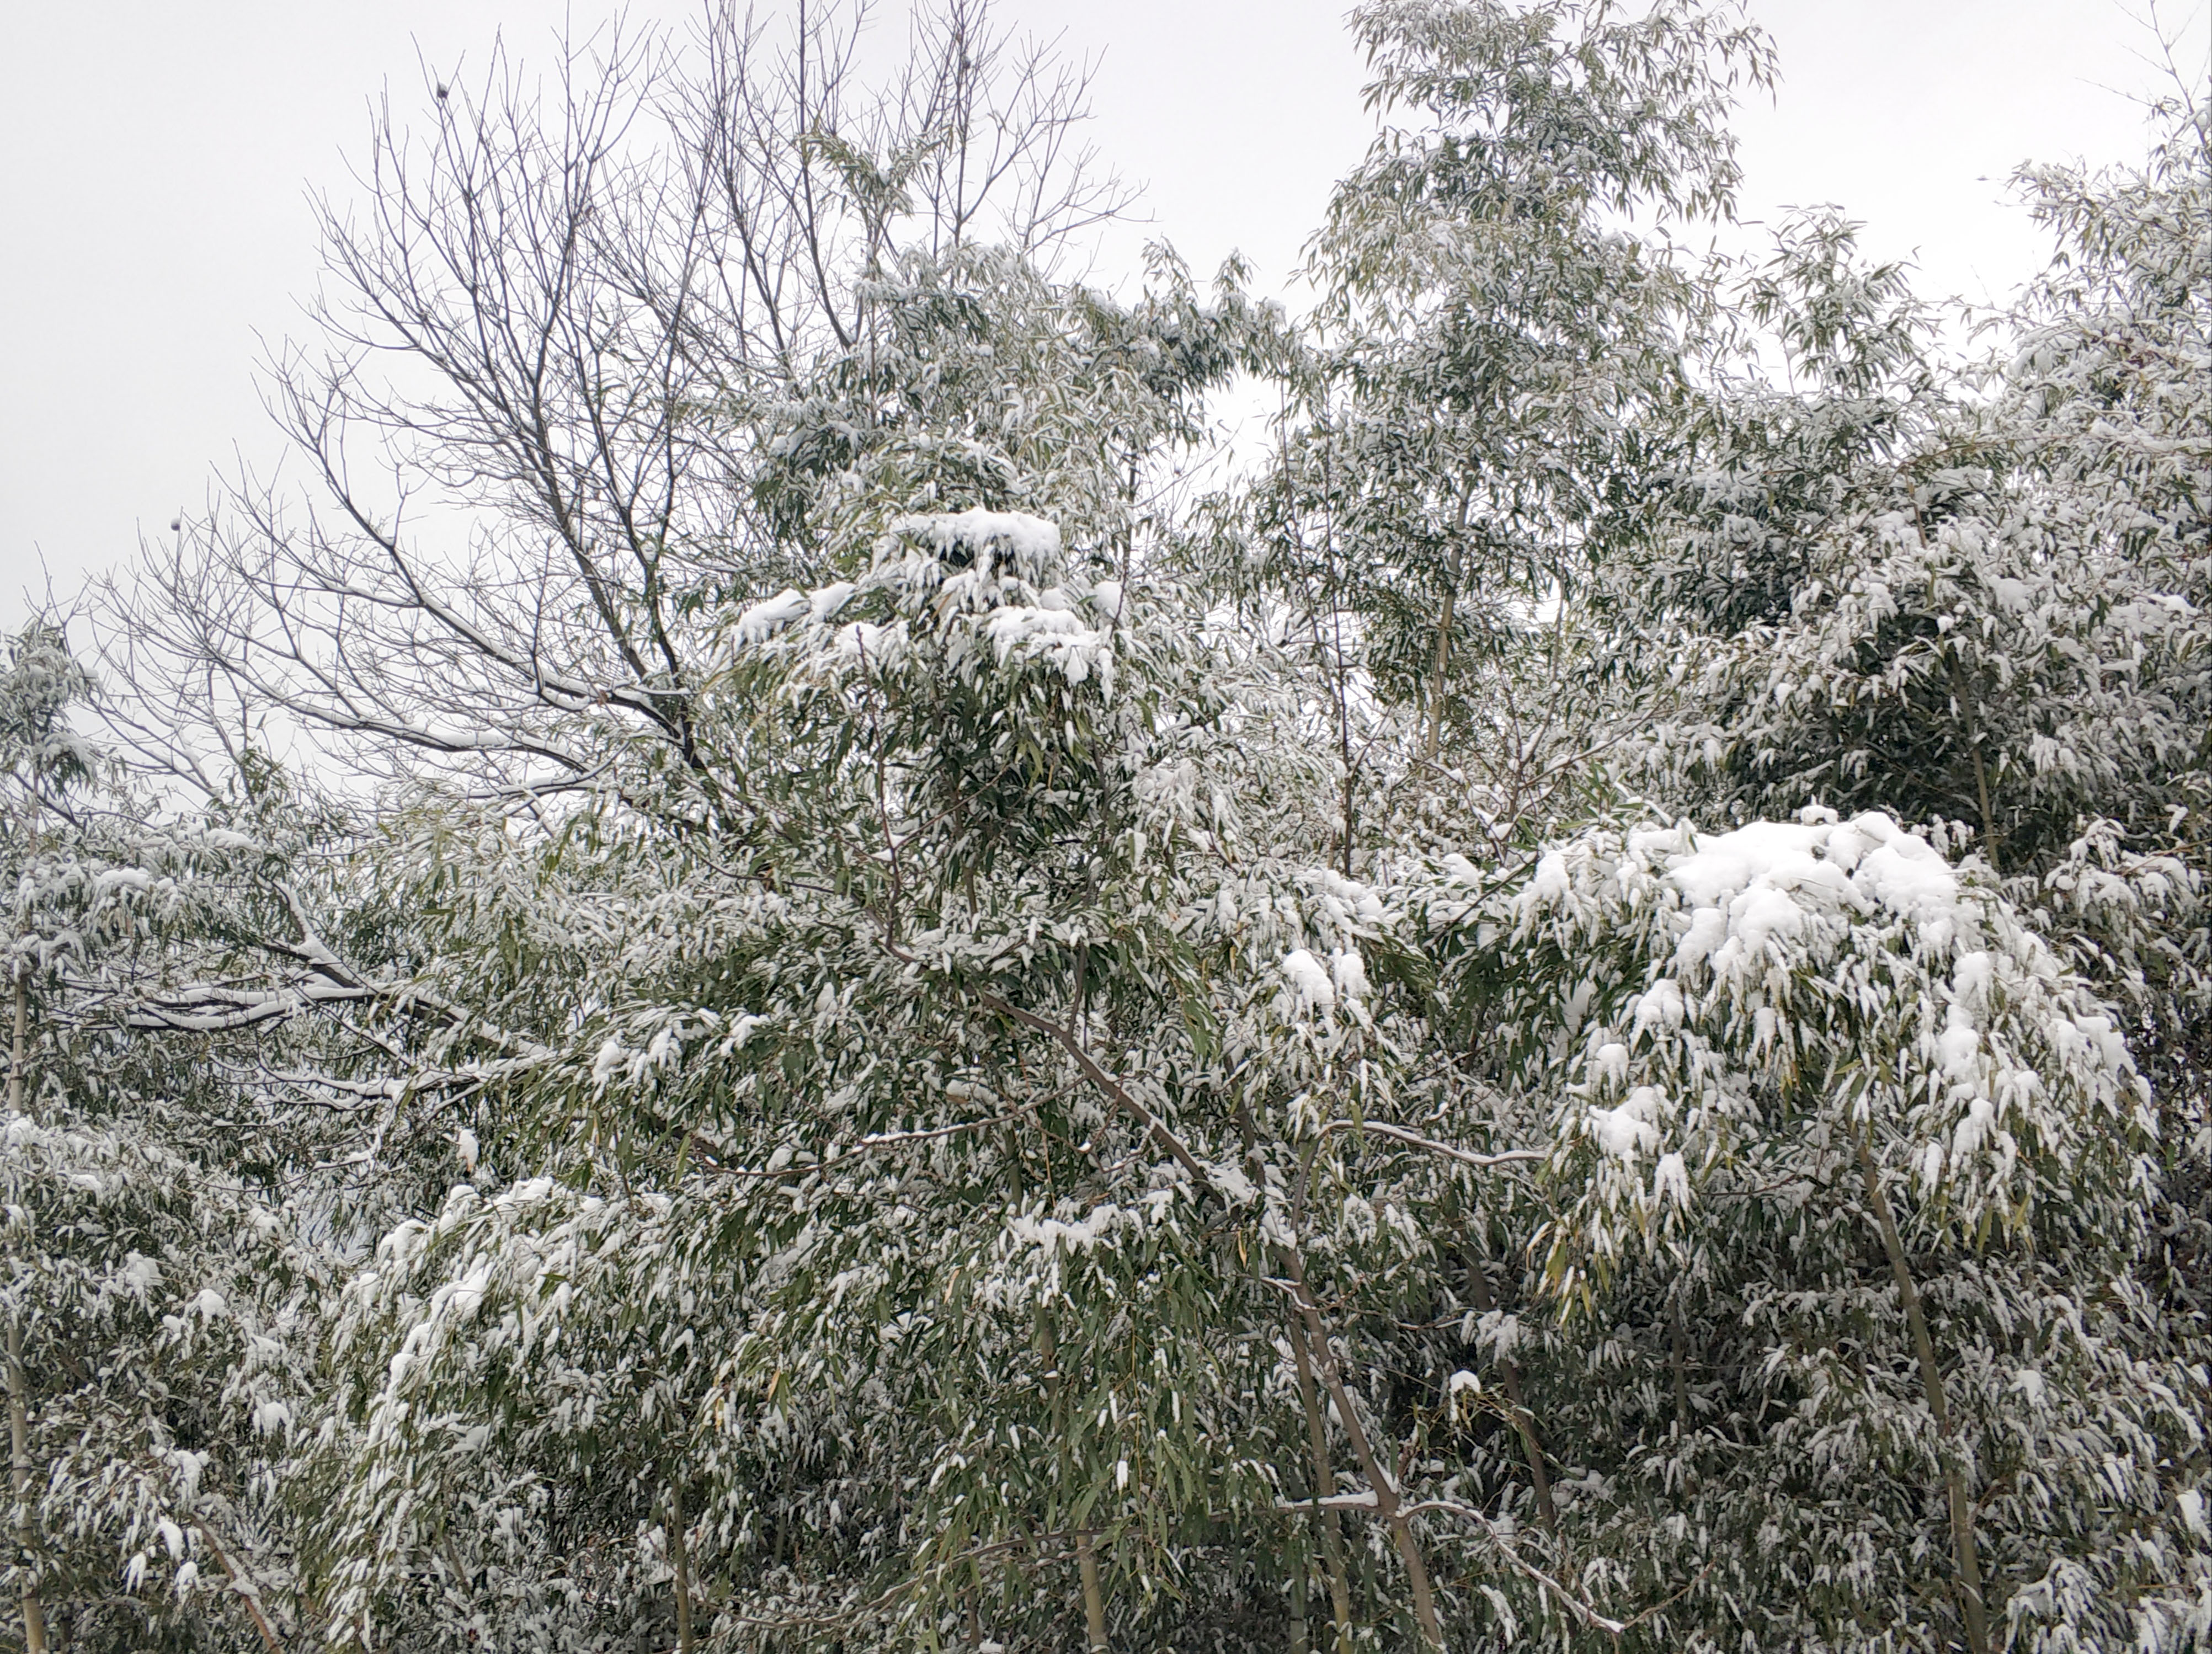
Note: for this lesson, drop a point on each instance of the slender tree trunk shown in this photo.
(22, 1034)
(1094, 1600)
(1681, 1364)
(18, 1426)
(1331, 1526)
(679, 1559)
(1441, 665)
(1341, 674)
(1350, 801)
(1964, 1557)
(1387, 1505)
(1086, 1554)
(1509, 1370)
(1417, 1574)
(246, 1588)
(1437, 669)
(1963, 693)
(34, 1614)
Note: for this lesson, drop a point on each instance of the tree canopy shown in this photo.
(754, 980)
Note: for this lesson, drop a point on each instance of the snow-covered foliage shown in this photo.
(1570, 1017)
(1826, 1112)
(162, 1314)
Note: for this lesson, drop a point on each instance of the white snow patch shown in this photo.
(464, 1297)
(1031, 540)
(763, 620)
(1750, 886)
(1056, 635)
(864, 640)
(1959, 1045)
(1315, 990)
(1629, 1130)
(1974, 1129)
(1357, 900)
(140, 1272)
(1077, 1237)
(1232, 1183)
(1659, 1005)
(1549, 881)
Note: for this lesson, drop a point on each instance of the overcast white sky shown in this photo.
(154, 159)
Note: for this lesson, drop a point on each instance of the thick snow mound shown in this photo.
(1699, 998)
(765, 619)
(1031, 542)
(1746, 887)
(1309, 980)
(1737, 898)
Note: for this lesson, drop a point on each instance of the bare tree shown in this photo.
(554, 335)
